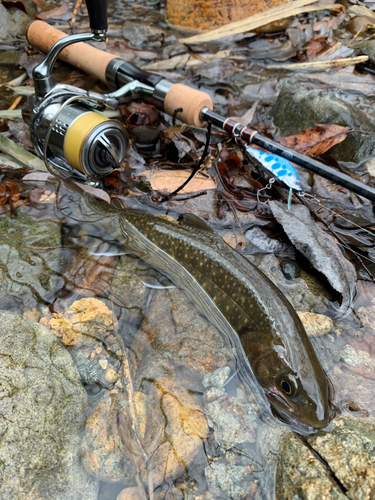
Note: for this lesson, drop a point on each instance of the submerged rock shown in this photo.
(29, 261)
(350, 452)
(42, 415)
(300, 474)
(174, 429)
(296, 111)
(348, 449)
(233, 481)
(103, 452)
(176, 339)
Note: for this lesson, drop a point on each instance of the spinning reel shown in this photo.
(67, 127)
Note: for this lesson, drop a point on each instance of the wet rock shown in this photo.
(103, 454)
(233, 419)
(315, 324)
(174, 430)
(130, 494)
(301, 476)
(13, 22)
(233, 422)
(86, 328)
(304, 293)
(347, 447)
(349, 450)
(42, 403)
(352, 391)
(367, 47)
(359, 356)
(29, 260)
(233, 481)
(297, 111)
(180, 340)
(129, 296)
(208, 15)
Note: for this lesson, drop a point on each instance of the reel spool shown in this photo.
(73, 137)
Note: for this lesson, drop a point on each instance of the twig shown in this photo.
(336, 63)
(75, 11)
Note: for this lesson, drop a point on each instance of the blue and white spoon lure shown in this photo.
(280, 169)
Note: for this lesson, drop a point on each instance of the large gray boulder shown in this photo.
(42, 416)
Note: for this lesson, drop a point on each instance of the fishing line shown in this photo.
(303, 198)
(196, 168)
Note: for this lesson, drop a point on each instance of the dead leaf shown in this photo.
(56, 12)
(9, 190)
(319, 247)
(316, 47)
(169, 181)
(317, 140)
(247, 117)
(138, 114)
(359, 356)
(361, 10)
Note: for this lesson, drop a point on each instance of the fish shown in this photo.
(272, 347)
(279, 167)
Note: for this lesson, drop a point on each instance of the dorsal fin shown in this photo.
(191, 220)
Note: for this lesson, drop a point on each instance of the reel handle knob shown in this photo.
(98, 15)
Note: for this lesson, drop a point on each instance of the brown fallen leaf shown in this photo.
(8, 190)
(317, 140)
(168, 181)
(56, 12)
(359, 356)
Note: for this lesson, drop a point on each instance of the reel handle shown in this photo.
(93, 61)
(98, 15)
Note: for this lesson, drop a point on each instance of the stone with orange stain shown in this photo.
(175, 428)
(85, 316)
(210, 14)
(102, 453)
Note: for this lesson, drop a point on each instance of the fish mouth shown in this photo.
(296, 425)
(284, 412)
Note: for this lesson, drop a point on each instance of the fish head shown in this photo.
(301, 403)
(292, 379)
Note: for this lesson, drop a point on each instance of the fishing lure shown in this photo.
(280, 169)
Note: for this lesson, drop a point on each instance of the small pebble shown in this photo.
(111, 375)
(315, 324)
(103, 363)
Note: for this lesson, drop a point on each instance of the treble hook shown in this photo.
(269, 186)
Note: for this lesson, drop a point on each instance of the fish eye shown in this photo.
(288, 386)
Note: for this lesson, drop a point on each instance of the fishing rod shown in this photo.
(55, 143)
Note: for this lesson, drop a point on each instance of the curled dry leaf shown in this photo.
(317, 140)
(169, 181)
(319, 248)
(359, 356)
(9, 190)
(247, 117)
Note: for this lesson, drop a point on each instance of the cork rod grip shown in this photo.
(93, 61)
(190, 100)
